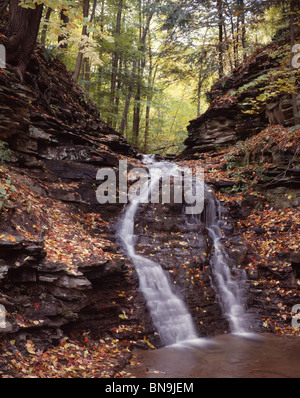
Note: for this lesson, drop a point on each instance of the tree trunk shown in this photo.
(147, 128)
(22, 31)
(115, 62)
(137, 113)
(151, 81)
(141, 66)
(93, 10)
(102, 17)
(228, 49)
(86, 7)
(128, 99)
(87, 63)
(87, 75)
(242, 26)
(292, 33)
(199, 92)
(119, 86)
(45, 26)
(221, 40)
(234, 42)
(64, 22)
(134, 68)
(137, 100)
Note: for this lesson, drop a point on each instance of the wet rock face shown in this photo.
(182, 247)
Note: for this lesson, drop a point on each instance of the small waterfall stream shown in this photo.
(229, 287)
(169, 313)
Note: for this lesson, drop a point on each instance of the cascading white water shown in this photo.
(169, 313)
(229, 288)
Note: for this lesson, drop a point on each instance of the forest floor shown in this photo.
(69, 239)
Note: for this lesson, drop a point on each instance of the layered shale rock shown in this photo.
(55, 144)
(230, 116)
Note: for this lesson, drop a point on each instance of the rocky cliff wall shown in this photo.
(59, 267)
(228, 119)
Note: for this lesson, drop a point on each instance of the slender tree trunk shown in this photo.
(199, 92)
(147, 127)
(128, 99)
(292, 34)
(151, 81)
(102, 17)
(22, 31)
(93, 10)
(234, 42)
(244, 33)
(86, 7)
(115, 62)
(228, 48)
(119, 86)
(137, 100)
(86, 69)
(64, 22)
(134, 68)
(242, 25)
(200, 76)
(137, 113)
(292, 22)
(45, 26)
(86, 63)
(200, 82)
(221, 40)
(141, 66)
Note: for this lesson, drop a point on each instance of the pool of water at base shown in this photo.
(225, 356)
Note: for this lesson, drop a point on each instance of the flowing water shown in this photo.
(230, 287)
(225, 356)
(169, 313)
(238, 354)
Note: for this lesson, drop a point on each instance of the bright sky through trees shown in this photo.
(148, 65)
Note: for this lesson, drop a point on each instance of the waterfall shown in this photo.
(229, 287)
(169, 313)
